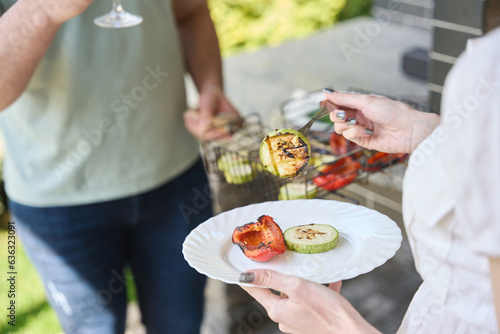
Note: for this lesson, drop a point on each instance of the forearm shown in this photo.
(26, 31)
(201, 48)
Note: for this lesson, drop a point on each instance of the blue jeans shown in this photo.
(81, 251)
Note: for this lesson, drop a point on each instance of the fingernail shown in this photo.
(351, 121)
(328, 90)
(247, 277)
(340, 115)
(369, 132)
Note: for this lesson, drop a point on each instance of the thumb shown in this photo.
(271, 279)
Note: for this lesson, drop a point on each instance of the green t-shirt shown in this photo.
(101, 118)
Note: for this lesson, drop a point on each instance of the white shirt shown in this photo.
(101, 118)
(451, 200)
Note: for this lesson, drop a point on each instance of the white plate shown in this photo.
(367, 240)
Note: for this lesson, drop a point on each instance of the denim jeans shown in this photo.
(81, 251)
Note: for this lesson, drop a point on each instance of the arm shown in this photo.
(201, 49)
(379, 123)
(199, 43)
(495, 282)
(26, 31)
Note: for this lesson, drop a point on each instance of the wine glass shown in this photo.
(118, 18)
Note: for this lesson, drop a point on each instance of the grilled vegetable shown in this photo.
(337, 175)
(322, 161)
(380, 160)
(260, 241)
(239, 173)
(297, 190)
(340, 145)
(229, 159)
(285, 152)
(311, 239)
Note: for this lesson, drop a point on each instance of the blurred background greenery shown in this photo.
(242, 26)
(247, 25)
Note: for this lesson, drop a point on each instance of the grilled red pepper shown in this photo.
(340, 145)
(381, 160)
(337, 175)
(260, 241)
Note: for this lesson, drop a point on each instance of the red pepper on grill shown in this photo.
(381, 160)
(337, 175)
(340, 146)
(260, 241)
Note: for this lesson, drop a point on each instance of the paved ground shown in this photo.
(361, 53)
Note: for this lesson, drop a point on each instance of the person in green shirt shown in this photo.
(102, 158)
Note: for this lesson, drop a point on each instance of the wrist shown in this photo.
(210, 90)
(211, 86)
(56, 12)
(423, 125)
(41, 14)
(361, 326)
(37, 24)
(352, 321)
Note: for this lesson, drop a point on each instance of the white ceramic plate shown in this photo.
(367, 240)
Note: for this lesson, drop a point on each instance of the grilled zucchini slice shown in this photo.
(296, 190)
(230, 159)
(285, 152)
(239, 173)
(311, 239)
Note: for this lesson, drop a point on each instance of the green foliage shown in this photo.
(33, 313)
(355, 8)
(247, 25)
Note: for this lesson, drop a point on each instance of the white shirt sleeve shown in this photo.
(471, 121)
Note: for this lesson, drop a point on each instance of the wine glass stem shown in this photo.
(117, 6)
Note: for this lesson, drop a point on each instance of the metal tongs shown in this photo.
(323, 111)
